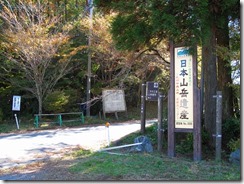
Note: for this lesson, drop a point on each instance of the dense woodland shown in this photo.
(44, 52)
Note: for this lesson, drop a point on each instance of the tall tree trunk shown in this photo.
(210, 79)
(39, 98)
(224, 73)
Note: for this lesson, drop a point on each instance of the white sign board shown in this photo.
(183, 88)
(16, 103)
(113, 101)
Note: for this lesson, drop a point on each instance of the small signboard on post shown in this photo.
(16, 103)
(113, 101)
(16, 107)
(152, 91)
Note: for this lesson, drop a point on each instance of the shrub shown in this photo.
(234, 144)
(230, 131)
(56, 101)
(185, 143)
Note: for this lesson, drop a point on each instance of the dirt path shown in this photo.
(52, 169)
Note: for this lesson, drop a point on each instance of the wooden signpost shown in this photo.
(149, 92)
(183, 99)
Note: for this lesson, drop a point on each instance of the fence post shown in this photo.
(82, 118)
(160, 129)
(60, 119)
(143, 107)
(218, 135)
(36, 121)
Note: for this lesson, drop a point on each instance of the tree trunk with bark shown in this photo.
(224, 72)
(210, 80)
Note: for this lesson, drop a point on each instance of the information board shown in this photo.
(113, 101)
(183, 88)
(184, 99)
(152, 91)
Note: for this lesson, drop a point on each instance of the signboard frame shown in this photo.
(196, 125)
(113, 101)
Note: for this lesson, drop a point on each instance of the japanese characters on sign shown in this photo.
(183, 88)
(16, 103)
(152, 91)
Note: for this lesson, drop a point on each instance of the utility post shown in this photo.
(143, 108)
(88, 93)
(218, 135)
(160, 121)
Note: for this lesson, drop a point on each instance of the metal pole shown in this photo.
(122, 146)
(107, 124)
(160, 129)
(143, 107)
(108, 136)
(88, 93)
(218, 135)
(17, 122)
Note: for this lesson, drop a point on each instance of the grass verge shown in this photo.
(99, 166)
(153, 166)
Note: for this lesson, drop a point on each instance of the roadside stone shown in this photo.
(235, 157)
(146, 145)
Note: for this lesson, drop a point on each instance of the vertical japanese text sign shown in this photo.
(16, 103)
(183, 88)
(152, 91)
(184, 98)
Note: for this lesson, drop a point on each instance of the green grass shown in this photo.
(153, 166)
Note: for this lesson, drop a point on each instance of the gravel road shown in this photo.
(26, 148)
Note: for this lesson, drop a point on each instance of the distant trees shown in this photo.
(31, 41)
(113, 68)
(43, 53)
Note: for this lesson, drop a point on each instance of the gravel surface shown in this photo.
(39, 155)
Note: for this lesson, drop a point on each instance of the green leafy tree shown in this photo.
(220, 13)
(141, 24)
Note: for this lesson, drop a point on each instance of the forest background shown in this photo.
(45, 49)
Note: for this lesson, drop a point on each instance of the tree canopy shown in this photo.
(144, 24)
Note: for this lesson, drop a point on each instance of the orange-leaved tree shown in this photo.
(32, 40)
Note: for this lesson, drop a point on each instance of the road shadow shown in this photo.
(44, 169)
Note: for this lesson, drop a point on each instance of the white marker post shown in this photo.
(107, 125)
(17, 122)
